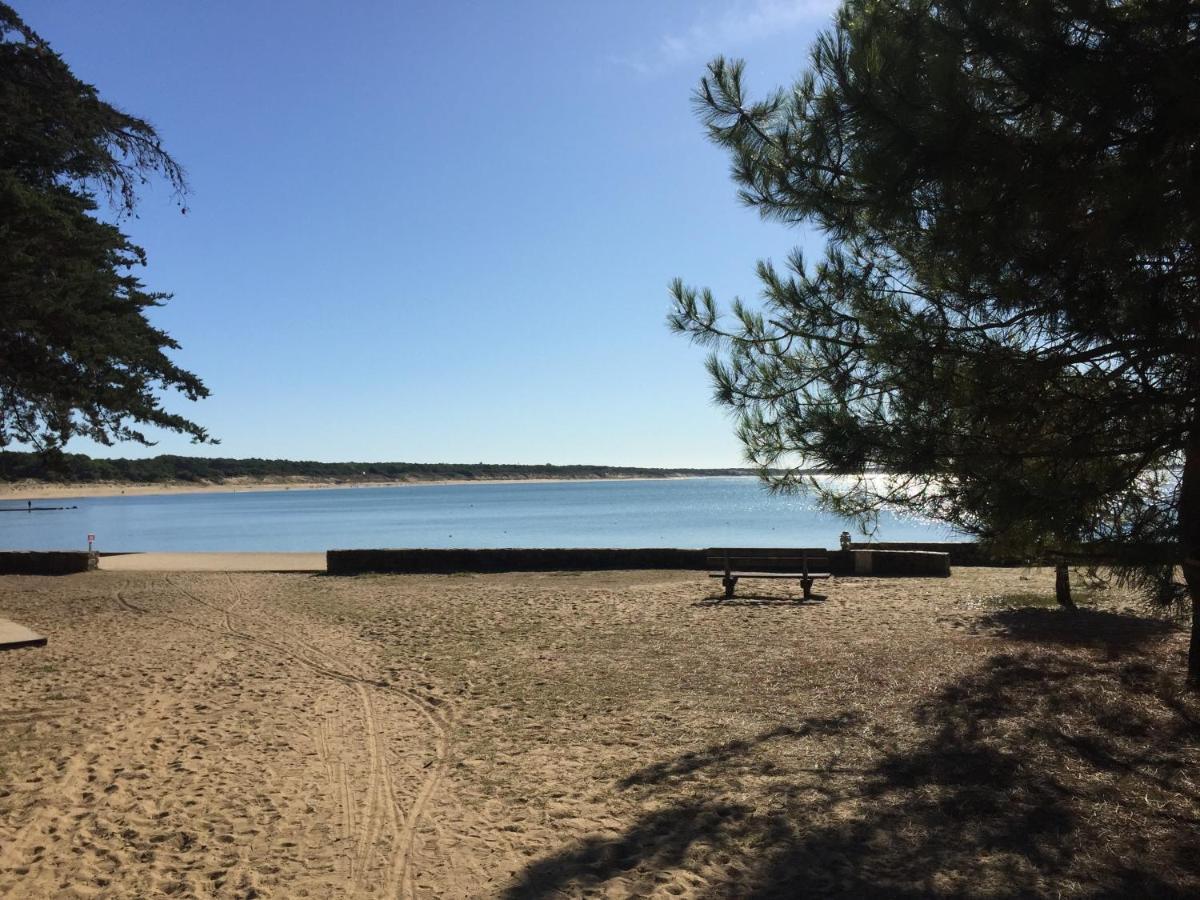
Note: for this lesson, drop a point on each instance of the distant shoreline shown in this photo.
(51, 490)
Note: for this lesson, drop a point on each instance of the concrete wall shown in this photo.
(889, 563)
(920, 563)
(421, 561)
(46, 562)
(962, 553)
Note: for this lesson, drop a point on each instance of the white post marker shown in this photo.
(91, 540)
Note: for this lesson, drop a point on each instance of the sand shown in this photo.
(213, 562)
(614, 735)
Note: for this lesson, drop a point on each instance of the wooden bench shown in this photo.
(731, 563)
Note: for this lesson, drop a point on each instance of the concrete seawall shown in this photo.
(893, 563)
(962, 553)
(878, 562)
(873, 560)
(46, 562)
(423, 561)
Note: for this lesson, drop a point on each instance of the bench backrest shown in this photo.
(772, 559)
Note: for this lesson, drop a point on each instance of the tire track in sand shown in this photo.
(380, 806)
(383, 812)
(400, 868)
(336, 775)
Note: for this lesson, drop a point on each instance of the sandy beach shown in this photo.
(42, 490)
(621, 734)
(213, 562)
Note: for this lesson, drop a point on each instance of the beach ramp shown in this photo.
(13, 636)
(213, 562)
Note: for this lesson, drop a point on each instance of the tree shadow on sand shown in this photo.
(1078, 628)
(760, 600)
(1040, 772)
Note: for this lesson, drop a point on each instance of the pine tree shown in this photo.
(1006, 322)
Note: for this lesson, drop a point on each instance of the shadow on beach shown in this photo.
(1079, 628)
(1040, 772)
(759, 600)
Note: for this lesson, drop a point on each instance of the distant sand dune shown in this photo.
(35, 490)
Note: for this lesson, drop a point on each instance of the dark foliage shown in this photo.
(78, 355)
(1008, 317)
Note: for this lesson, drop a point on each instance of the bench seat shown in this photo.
(804, 564)
(812, 575)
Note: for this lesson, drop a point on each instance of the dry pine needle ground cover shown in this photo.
(590, 735)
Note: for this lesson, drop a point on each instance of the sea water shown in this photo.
(684, 512)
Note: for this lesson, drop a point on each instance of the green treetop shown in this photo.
(1007, 319)
(78, 355)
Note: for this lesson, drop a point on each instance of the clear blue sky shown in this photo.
(439, 231)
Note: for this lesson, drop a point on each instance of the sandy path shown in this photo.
(214, 562)
(253, 753)
(588, 735)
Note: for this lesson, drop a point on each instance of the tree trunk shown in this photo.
(1193, 582)
(1062, 586)
(1189, 538)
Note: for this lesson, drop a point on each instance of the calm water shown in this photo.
(698, 512)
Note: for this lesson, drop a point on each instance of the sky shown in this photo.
(439, 231)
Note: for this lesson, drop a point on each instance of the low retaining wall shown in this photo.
(891, 563)
(46, 562)
(962, 553)
(969, 553)
(441, 562)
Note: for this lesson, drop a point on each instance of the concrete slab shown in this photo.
(13, 636)
(214, 562)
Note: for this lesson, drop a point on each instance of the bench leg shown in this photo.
(730, 583)
(807, 584)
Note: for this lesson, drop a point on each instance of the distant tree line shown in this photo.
(78, 467)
